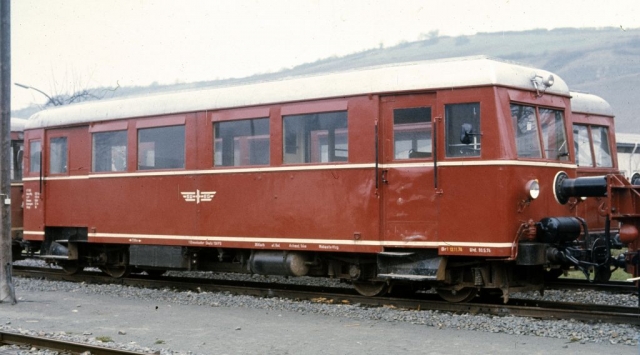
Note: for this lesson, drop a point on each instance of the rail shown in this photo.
(23, 340)
(418, 301)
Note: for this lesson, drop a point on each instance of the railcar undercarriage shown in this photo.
(456, 279)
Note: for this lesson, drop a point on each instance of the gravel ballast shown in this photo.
(567, 330)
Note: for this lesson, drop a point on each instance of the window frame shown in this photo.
(146, 126)
(477, 132)
(31, 152)
(249, 138)
(544, 152)
(315, 136)
(592, 147)
(397, 128)
(93, 152)
(50, 155)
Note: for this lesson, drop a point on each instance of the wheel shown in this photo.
(71, 268)
(453, 296)
(115, 271)
(371, 288)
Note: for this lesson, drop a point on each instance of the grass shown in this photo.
(618, 275)
(105, 339)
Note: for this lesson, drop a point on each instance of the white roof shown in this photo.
(628, 138)
(436, 74)
(17, 124)
(590, 104)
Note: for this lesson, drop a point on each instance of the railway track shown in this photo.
(611, 286)
(421, 301)
(26, 342)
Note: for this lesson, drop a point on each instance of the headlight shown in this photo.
(533, 189)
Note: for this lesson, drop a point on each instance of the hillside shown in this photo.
(605, 62)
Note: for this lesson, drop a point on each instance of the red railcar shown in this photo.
(17, 152)
(438, 173)
(594, 148)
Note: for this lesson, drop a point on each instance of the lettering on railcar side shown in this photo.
(329, 247)
(28, 199)
(448, 249)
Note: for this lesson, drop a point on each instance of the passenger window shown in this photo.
(109, 151)
(412, 133)
(161, 148)
(553, 134)
(58, 155)
(35, 157)
(463, 129)
(601, 147)
(315, 138)
(244, 142)
(582, 145)
(17, 152)
(526, 131)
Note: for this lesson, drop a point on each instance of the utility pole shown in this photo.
(7, 292)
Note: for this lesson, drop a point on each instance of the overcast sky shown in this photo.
(59, 45)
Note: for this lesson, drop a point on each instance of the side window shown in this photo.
(161, 148)
(526, 131)
(553, 134)
(244, 142)
(463, 129)
(315, 138)
(35, 156)
(601, 147)
(58, 155)
(17, 152)
(582, 145)
(412, 133)
(109, 151)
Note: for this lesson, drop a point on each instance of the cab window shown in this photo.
(463, 130)
(601, 147)
(553, 134)
(582, 145)
(526, 131)
(539, 132)
(591, 145)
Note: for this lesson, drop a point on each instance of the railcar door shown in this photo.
(409, 204)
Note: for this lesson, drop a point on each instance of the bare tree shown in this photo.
(67, 92)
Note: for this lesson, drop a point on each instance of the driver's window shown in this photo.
(463, 130)
(526, 131)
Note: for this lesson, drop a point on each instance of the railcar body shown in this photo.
(594, 147)
(17, 153)
(435, 173)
